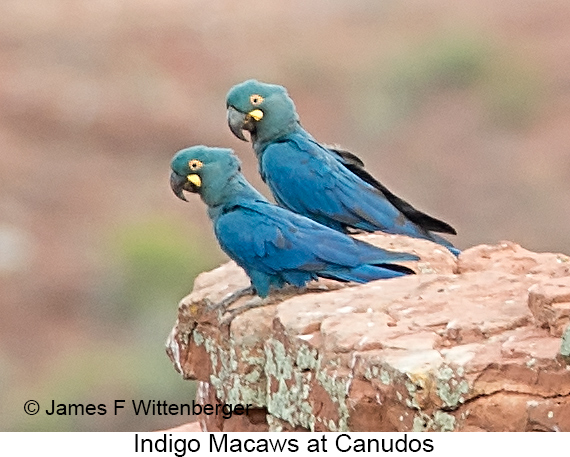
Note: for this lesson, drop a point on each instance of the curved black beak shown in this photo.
(238, 122)
(180, 183)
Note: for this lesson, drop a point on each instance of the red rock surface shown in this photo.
(477, 350)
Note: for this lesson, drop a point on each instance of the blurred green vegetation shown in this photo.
(155, 262)
(100, 372)
(508, 88)
(151, 264)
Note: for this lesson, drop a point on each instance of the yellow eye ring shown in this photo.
(195, 164)
(255, 99)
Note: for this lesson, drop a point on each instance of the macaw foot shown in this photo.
(231, 298)
(255, 302)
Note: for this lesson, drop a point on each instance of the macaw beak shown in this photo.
(179, 183)
(238, 122)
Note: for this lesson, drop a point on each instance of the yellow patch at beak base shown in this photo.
(195, 179)
(257, 114)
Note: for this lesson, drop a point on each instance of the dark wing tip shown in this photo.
(427, 222)
(398, 268)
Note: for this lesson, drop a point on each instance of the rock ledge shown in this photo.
(467, 344)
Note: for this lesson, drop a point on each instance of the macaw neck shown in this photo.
(232, 192)
(264, 138)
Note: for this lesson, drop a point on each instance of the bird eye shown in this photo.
(256, 99)
(195, 164)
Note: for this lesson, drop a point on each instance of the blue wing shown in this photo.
(355, 165)
(276, 246)
(327, 191)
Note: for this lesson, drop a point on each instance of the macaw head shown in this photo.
(203, 170)
(264, 110)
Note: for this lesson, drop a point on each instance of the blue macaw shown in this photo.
(326, 184)
(273, 245)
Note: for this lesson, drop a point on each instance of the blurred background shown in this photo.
(460, 107)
